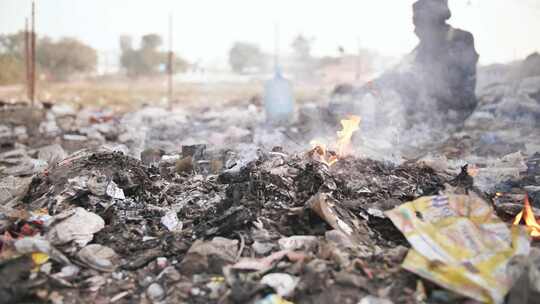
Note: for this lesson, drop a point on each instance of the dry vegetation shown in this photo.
(123, 95)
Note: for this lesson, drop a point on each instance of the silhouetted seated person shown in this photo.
(439, 75)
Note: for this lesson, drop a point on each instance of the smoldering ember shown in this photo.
(417, 184)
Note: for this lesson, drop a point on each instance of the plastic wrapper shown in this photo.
(459, 243)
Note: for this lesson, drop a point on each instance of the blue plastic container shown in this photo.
(278, 100)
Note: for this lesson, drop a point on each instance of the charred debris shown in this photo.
(204, 225)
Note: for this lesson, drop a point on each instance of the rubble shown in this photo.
(169, 207)
(296, 215)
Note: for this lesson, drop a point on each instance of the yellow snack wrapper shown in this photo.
(39, 258)
(459, 243)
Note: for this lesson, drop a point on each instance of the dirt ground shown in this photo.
(125, 95)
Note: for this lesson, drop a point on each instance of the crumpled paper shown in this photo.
(459, 243)
(76, 225)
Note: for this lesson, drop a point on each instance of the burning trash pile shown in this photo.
(133, 220)
(321, 152)
(430, 193)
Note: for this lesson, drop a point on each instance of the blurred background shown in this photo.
(115, 53)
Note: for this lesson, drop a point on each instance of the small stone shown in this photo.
(117, 276)
(67, 272)
(283, 283)
(374, 300)
(155, 292)
(262, 248)
(98, 257)
(298, 242)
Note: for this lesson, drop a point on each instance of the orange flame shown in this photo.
(343, 145)
(528, 217)
(344, 136)
(322, 154)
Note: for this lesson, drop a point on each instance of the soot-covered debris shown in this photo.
(275, 226)
(194, 223)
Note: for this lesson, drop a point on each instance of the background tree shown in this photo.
(12, 44)
(151, 42)
(147, 59)
(128, 56)
(11, 69)
(245, 55)
(60, 59)
(302, 47)
(12, 58)
(66, 57)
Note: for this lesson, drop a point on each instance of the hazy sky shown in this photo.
(205, 29)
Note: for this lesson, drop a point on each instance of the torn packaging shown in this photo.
(339, 218)
(459, 243)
